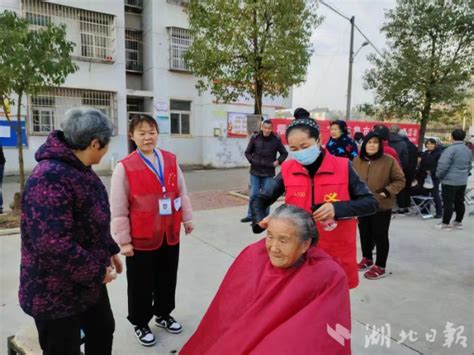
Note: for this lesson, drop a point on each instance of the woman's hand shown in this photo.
(324, 213)
(116, 263)
(126, 249)
(264, 222)
(188, 227)
(110, 275)
(383, 195)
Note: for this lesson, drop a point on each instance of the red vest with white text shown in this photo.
(331, 184)
(147, 227)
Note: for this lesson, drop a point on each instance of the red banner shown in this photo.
(412, 129)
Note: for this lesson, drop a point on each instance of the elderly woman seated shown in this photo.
(282, 295)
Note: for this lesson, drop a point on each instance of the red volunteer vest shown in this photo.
(147, 227)
(331, 184)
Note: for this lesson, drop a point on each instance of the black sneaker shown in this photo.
(169, 323)
(246, 220)
(145, 336)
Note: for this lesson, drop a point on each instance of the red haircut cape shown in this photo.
(260, 309)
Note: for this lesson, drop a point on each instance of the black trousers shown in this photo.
(151, 278)
(403, 197)
(373, 230)
(453, 198)
(62, 336)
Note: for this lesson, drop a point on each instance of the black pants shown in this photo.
(151, 277)
(62, 336)
(453, 196)
(373, 230)
(403, 197)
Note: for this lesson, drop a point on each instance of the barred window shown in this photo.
(180, 40)
(134, 50)
(43, 113)
(135, 104)
(180, 113)
(48, 107)
(93, 32)
(178, 2)
(134, 5)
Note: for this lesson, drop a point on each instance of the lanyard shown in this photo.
(158, 173)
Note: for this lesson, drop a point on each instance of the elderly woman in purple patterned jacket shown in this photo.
(67, 252)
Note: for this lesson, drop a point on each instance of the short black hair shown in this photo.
(139, 119)
(267, 122)
(458, 134)
(432, 141)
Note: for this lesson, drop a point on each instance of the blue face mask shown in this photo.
(307, 156)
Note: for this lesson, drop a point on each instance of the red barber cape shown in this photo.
(260, 309)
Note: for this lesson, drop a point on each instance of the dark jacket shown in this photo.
(261, 152)
(381, 173)
(428, 162)
(410, 169)
(396, 142)
(2, 156)
(344, 146)
(362, 201)
(65, 234)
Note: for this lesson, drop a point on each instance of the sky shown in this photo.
(326, 82)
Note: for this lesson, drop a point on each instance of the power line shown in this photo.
(348, 19)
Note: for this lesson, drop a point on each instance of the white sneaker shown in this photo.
(458, 226)
(145, 336)
(169, 323)
(444, 227)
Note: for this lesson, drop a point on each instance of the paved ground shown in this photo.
(430, 284)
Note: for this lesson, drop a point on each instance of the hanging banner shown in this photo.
(412, 129)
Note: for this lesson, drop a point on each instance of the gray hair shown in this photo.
(300, 219)
(82, 125)
(403, 133)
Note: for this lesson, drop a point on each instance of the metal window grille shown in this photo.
(180, 117)
(178, 2)
(134, 50)
(180, 40)
(93, 32)
(135, 104)
(51, 104)
(134, 4)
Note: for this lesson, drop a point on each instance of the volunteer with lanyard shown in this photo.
(325, 185)
(149, 202)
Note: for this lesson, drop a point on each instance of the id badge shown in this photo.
(165, 206)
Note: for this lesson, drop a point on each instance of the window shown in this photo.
(134, 50)
(180, 113)
(178, 2)
(180, 40)
(53, 103)
(95, 38)
(93, 32)
(42, 114)
(135, 104)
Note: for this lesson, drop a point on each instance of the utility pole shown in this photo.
(349, 81)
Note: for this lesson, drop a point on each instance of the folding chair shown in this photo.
(421, 203)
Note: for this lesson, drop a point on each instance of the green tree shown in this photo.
(426, 71)
(30, 61)
(255, 47)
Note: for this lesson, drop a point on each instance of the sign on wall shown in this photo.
(237, 124)
(8, 135)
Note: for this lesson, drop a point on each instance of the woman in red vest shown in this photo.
(324, 185)
(149, 202)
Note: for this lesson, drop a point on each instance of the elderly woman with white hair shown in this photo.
(282, 295)
(67, 252)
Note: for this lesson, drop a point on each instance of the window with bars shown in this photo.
(135, 104)
(134, 50)
(49, 106)
(180, 113)
(178, 2)
(93, 32)
(180, 40)
(42, 114)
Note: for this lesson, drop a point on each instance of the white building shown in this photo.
(130, 58)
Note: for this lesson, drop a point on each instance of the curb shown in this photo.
(238, 194)
(9, 231)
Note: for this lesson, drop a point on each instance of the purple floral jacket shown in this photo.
(65, 234)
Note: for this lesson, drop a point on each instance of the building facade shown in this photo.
(130, 58)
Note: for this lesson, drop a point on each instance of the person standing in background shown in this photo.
(358, 139)
(340, 144)
(261, 153)
(2, 169)
(454, 168)
(403, 198)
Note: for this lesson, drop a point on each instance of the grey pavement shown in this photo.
(430, 283)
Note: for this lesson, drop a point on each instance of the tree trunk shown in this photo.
(425, 115)
(20, 146)
(258, 97)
